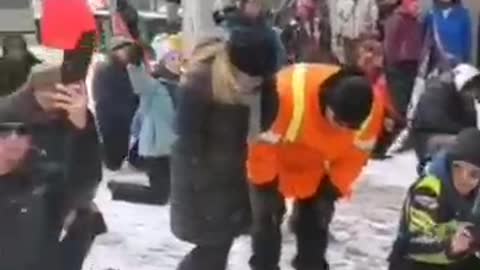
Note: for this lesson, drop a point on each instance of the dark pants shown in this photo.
(206, 257)
(310, 222)
(70, 252)
(158, 193)
(76, 245)
(401, 80)
(115, 147)
(22, 229)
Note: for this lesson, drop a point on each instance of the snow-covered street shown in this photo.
(139, 236)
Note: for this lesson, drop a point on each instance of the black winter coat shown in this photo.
(23, 226)
(443, 110)
(209, 199)
(75, 156)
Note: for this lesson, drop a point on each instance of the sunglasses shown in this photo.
(13, 129)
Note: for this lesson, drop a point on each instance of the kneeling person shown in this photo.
(434, 230)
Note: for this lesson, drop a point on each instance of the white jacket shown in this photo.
(355, 17)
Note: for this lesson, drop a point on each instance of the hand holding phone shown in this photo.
(70, 99)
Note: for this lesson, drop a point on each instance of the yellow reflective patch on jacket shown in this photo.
(299, 85)
(362, 140)
(421, 221)
(431, 183)
(442, 232)
(439, 258)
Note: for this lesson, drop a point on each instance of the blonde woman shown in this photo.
(218, 107)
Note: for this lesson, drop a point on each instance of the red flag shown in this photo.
(64, 22)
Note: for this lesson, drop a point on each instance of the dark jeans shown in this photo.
(206, 257)
(401, 80)
(115, 147)
(22, 229)
(310, 222)
(158, 193)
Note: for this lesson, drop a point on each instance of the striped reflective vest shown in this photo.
(311, 148)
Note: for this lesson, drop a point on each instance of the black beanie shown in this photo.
(350, 98)
(467, 146)
(251, 49)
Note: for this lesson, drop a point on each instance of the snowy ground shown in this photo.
(363, 229)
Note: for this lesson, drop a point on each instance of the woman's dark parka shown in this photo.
(209, 199)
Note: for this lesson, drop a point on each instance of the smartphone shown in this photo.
(77, 61)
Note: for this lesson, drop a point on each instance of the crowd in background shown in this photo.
(221, 135)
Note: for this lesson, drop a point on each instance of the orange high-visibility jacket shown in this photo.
(310, 147)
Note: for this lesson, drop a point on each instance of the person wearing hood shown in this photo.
(218, 109)
(15, 64)
(403, 46)
(445, 108)
(436, 225)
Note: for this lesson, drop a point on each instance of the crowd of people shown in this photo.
(264, 113)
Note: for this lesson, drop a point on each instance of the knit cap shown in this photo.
(467, 146)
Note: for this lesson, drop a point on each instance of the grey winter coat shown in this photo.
(209, 199)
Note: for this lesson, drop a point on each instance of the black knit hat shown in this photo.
(252, 50)
(12, 42)
(350, 97)
(467, 146)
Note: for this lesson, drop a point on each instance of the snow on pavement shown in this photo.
(362, 231)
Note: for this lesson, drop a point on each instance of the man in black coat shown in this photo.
(62, 128)
(446, 108)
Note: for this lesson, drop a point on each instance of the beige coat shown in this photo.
(355, 17)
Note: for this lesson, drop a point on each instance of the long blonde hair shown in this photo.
(224, 83)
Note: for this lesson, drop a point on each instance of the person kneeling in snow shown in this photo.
(435, 232)
(444, 110)
(152, 125)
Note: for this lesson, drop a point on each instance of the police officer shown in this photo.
(435, 232)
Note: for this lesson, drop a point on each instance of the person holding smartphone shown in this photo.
(63, 128)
